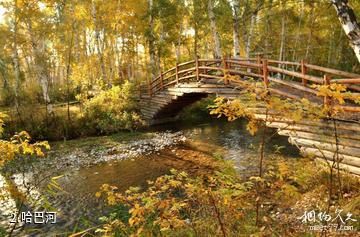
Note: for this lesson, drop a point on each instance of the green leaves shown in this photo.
(113, 110)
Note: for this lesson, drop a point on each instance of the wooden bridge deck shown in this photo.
(189, 82)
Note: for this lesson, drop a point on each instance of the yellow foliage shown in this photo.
(19, 144)
(163, 204)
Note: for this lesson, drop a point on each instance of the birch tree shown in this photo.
(235, 5)
(36, 30)
(250, 34)
(214, 32)
(98, 44)
(254, 13)
(16, 56)
(151, 40)
(349, 24)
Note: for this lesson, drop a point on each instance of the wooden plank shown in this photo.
(177, 73)
(205, 90)
(284, 62)
(169, 70)
(186, 63)
(348, 108)
(210, 68)
(210, 60)
(353, 87)
(303, 72)
(333, 71)
(325, 146)
(325, 124)
(296, 74)
(346, 81)
(169, 76)
(247, 64)
(242, 59)
(250, 74)
(285, 94)
(161, 100)
(265, 73)
(211, 76)
(345, 159)
(186, 77)
(202, 85)
(187, 70)
(170, 83)
(347, 168)
(320, 137)
(301, 127)
(293, 85)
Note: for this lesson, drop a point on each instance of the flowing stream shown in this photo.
(77, 205)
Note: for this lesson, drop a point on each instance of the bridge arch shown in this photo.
(186, 83)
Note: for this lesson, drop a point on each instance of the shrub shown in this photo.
(113, 110)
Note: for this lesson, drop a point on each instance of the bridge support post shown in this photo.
(161, 80)
(197, 68)
(258, 61)
(225, 70)
(149, 87)
(265, 73)
(303, 72)
(326, 82)
(177, 73)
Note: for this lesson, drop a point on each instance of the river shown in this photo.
(77, 205)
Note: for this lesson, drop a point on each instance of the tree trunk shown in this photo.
(298, 33)
(16, 58)
(236, 36)
(250, 34)
(160, 47)
(178, 45)
(16, 61)
(98, 45)
(268, 34)
(215, 33)
(282, 42)
(348, 21)
(151, 40)
(309, 41)
(3, 74)
(38, 48)
(330, 50)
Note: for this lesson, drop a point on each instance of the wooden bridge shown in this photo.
(165, 96)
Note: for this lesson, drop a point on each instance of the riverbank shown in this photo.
(82, 166)
(216, 148)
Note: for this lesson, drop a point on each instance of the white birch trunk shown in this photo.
(16, 58)
(268, 33)
(349, 24)
(178, 45)
(309, 41)
(298, 32)
(38, 48)
(99, 46)
(282, 42)
(215, 33)
(236, 36)
(250, 34)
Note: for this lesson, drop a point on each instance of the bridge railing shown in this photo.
(276, 76)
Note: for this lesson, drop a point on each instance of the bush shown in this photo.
(113, 110)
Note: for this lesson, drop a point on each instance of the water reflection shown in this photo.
(228, 140)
